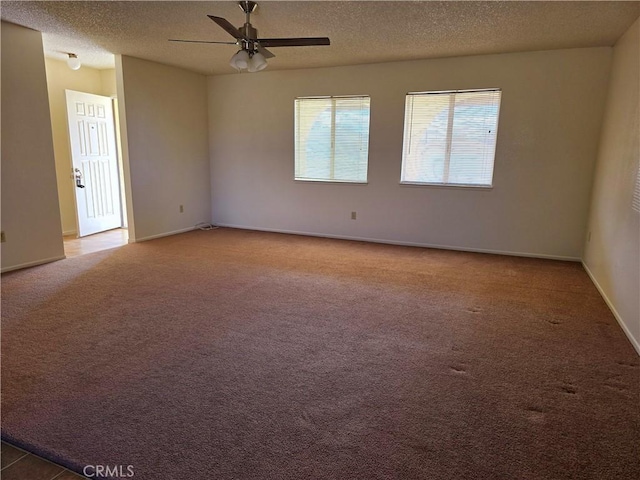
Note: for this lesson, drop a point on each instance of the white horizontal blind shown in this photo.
(450, 137)
(636, 193)
(332, 139)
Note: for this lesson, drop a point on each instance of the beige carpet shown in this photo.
(231, 354)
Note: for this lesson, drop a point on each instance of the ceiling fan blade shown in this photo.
(202, 41)
(293, 42)
(266, 53)
(228, 27)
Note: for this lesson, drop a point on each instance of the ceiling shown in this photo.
(360, 31)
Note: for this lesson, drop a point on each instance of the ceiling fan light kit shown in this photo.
(253, 55)
(250, 61)
(257, 62)
(240, 61)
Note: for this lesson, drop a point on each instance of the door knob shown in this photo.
(78, 175)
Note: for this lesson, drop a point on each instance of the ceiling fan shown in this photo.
(253, 52)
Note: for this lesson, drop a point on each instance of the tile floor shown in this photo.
(74, 247)
(17, 464)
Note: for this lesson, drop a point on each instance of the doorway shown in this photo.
(94, 161)
(92, 121)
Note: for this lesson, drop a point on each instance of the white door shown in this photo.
(95, 163)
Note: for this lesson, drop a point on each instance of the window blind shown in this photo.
(636, 193)
(332, 139)
(450, 137)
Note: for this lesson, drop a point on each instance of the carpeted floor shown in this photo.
(231, 354)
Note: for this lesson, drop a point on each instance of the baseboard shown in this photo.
(405, 244)
(626, 331)
(32, 264)
(160, 235)
(69, 232)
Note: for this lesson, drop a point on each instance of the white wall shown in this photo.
(163, 115)
(612, 255)
(30, 212)
(552, 104)
(108, 82)
(60, 78)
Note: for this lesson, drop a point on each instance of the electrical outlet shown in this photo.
(3, 237)
(353, 215)
(181, 208)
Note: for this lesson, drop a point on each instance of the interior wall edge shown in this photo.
(634, 342)
(124, 149)
(166, 234)
(403, 243)
(35, 263)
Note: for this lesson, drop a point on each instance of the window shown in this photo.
(332, 139)
(450, 137)
(635, 203)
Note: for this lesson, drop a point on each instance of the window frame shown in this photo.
(407, 120)
(635, 197)
(296, 134)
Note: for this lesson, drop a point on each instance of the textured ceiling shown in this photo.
(360, 31)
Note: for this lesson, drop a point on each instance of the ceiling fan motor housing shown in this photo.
(248, 31)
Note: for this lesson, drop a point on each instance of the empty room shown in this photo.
(320, 240)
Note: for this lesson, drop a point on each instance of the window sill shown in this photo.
(447, 185)
(336, 182)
